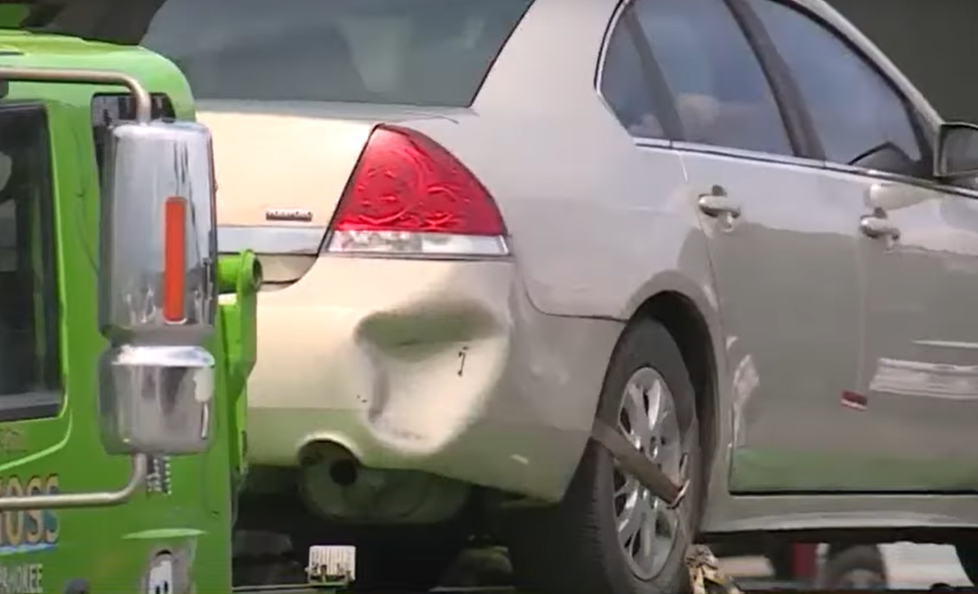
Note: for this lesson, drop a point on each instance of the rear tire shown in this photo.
(856, 567)
(781, 558)
(573, 547)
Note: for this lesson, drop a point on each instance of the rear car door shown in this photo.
(913, 412)
(783, 252)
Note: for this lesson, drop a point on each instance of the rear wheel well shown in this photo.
(682, 319)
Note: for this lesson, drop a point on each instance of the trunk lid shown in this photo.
(270, 163)
(275, 160)
(281, 171)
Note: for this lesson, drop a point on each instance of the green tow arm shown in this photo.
(238, 279)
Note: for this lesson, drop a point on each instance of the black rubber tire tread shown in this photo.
(968, 556)
(841, 560)
(781, 559)
(572, 548)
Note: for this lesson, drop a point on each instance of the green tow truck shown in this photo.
(125, 341)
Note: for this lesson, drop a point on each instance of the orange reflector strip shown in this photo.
(174, 258)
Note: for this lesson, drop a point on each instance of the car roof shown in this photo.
(566, 56)
(559, 42)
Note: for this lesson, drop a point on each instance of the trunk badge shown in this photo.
(288, 214)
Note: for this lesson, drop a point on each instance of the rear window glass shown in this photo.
(416, 52)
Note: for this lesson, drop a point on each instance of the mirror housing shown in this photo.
(194, 199)
(157, 288)
(956, 151)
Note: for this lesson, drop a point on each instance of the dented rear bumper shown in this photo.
(437, 366)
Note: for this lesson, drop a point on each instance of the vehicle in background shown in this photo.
(116, 359)
(802, 565)
(851, 567)
(731, 228)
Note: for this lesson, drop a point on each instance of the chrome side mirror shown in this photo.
(956, 151)
(157, 289)
(145, 371)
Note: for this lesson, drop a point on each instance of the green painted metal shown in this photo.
(114, 549)
(238, 279)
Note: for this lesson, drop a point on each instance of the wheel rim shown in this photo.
(646, 528)
(861, 579)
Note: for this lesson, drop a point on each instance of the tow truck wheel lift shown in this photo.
(333, 567)
(840, 567)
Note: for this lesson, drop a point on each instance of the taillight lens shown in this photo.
(409, 196)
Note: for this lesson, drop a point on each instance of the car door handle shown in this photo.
(717, 203)
(876, 227)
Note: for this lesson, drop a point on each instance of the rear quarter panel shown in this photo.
(597, 224)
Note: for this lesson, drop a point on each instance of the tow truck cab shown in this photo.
(125, 343)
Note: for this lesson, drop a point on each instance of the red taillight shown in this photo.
(174, 258)
(409, 195)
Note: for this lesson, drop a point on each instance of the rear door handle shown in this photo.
(877, 227)
(717, 204)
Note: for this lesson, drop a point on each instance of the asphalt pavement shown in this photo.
(910, 566)
(919, 566)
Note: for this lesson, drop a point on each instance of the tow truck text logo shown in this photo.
(34, 529)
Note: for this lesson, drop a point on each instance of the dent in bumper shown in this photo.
(436, 366)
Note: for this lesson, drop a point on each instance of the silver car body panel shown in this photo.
(599, 225)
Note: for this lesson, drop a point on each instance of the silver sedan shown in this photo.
(730, 228)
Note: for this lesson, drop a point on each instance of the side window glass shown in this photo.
(625, 87)
(722, 94)
(30, 378)
(860, 118)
